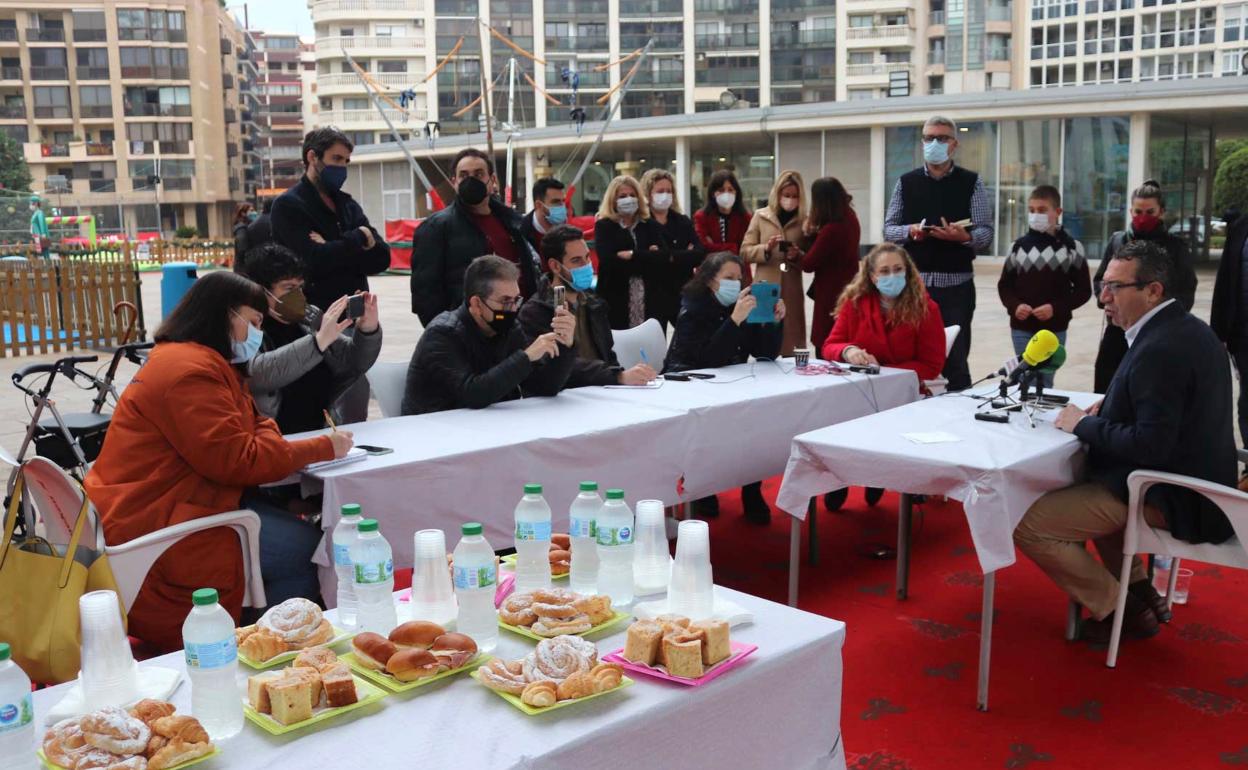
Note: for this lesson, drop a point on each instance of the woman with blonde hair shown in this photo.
(630, 255)
(773, 242)
(684, 248)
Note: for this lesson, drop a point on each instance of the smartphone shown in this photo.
(786, 245)
(374, 450)
(355, 306)
(560, 300)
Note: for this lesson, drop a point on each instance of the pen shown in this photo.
(329, 420)
(644, 358)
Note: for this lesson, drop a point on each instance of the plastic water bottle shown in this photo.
(584, 534)
(614, 528)
(1161, 573)
(532, 540)
(212, 664)
(343, 538)
(373, 563)
(476, 579)
(17, 715)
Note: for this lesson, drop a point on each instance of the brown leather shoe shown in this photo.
(1139, 623)
(1143, 590)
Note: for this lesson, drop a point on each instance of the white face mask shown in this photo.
(661, 201)
(1039, 222)
(725, 200)
(626, 206)
(789, 204)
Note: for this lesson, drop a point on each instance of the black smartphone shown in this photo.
(786, 245)
(355, 306)
(374, 450)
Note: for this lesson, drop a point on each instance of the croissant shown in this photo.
(576, 686)
(540, 694)
(178, 752)
(606, 676)
(149, 710)
(180, 728)
(262, 645)
(598, 608)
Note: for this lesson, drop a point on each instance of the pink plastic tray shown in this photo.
(740, 651)
(506, 584)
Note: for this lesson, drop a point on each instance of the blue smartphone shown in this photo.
(765, 311)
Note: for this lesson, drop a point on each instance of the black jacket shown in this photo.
(456, 366)
(1168, 409)
(535, 318)
(1227, 317)
(614, 273)
(250, 235)
(706, 337)
(341, 265)
(528, 228)
(685, 253)
(446, 243)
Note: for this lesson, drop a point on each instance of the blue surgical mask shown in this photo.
(891, 286)
(935, 153)
(557, 215)
(728, 291)
(582, 277)
(333, 177)
(246, 350)
(252, 216)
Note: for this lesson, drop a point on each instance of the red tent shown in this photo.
(401, 232)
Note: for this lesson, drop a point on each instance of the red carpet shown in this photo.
(1178, 700)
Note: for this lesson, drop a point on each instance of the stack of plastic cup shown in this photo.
(691, 593)
(652, 564)
(433, 595)
(109, 675)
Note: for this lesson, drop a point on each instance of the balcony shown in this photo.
(333, 46)
(99, 149)
(56, 112)
(592, 43)
(342, 118)
(825, 38)
(92, 73)
(54, 150)
(896, 34)
(177, 183)
(456, 8)
(801, 5)
(90, 35)
(878, 70)
(472, 44)
(231, 150)
(587, 79)
(49, 73)
(45, 35)
(667, 41)
(661, 78)
(724, 40)
(101, 185)
(11, 73)
(325, 10)
(177, 36)
(351, 82)
(8, 34)
(279, 119)
(802, 74)
(727, 76)
(998, 54)
(1000, 13)
(726, 6)
(581, 8)
(176, 148)
(632, 9)
(12, 111)
(153, 110)
(148, 72)
(95, 111)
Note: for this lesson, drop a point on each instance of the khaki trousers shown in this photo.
(1056, 527)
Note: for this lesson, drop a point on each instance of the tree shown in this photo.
(1230, 186)
(15, 182)
(1226, 148)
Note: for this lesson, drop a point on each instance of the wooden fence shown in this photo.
(146, 255)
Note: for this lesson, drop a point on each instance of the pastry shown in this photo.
(298, 622)
(373, 650)
(263, 645)
(339, 686)
(416, 633)
(560, 562)
(112, 729)
(453, 650)
(315, 658)
(672, 620)
(155, 744)
(241, 634)
(682, 655)
(180, 729)
(413, 664)
(607, 676)
(517, 610)
(99, 759)
(576, 686)
(560, 541)
(557, 659)
(63, 743)
(322, 634)
(716, 645)
(549, 627)
(642, 642)
(503, 676)
(258, 693)
(176, 753)
(546, 611)
(540, 694)
(291, 700)
(598, 608)
(149, 710)
(312, 678)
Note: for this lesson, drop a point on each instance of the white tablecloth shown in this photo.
(996, 470)
(781, 709)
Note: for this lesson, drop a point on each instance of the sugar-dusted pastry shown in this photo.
(576, 686)
(298, 622)
(642, 642)
(504, 676)
(540, 694)
(262, 645)
(291, 700)
(315, 658)
(682, 655)
(63, 743)
(99, 759)
(717, 645)
(598, 608)
(112, 729)
(339, 686)
(557, 659)
(551, 627)
(517, 609)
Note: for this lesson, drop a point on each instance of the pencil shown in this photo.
(329, 420)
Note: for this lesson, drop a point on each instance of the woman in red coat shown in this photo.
(722, 222)
(886, 318)
(833, 257)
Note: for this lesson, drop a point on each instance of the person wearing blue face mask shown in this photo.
(925, 214)
(568, 263)
(550, 209)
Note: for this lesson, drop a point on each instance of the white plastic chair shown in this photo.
(628, 344)
(388, 381)
(938, 385)
(58, 497)
(1141, 537)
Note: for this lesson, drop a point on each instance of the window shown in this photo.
(1231, 61)
(896, 20)
(132, 24)
(936, 84)
(897, 56)
(1233, 22)
(355, 104)
(392, 66)
(95, 96)
(861, 21)
(861, 94)
(344, 32)
(51, 101)
(861, 57)
(89, 26)
(390, 30)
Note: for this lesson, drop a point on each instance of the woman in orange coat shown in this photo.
(184, 442)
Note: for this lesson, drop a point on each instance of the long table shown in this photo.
(779, 709)
(674, 443)
(996, 470)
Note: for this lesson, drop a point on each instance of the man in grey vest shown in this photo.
(942, 215)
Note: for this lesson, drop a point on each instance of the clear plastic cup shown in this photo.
(652, 564)
(1182, 585)
(433, 595)
(691, 592)
(109, 675)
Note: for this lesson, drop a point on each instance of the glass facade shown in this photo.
(1031, 155)
(1179, 158)
(1094, 179)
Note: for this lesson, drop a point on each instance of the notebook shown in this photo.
(354, 454)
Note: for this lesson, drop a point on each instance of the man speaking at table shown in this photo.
(476, 355)
(1168, 408)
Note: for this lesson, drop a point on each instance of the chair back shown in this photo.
(951, 335)
(57, 499)
(628, 344)
(388, 381)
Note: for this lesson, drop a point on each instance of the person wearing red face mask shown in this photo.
(1148, 210)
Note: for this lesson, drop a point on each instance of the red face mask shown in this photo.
(1145, 223)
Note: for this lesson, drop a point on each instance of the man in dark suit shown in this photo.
(1229, 317)
(1168, 408)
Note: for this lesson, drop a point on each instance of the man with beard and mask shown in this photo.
(550, 209)
(1148, 210)
(305, 362)
(924, 213)
(475, 224)
(567, 260)
(476, 355)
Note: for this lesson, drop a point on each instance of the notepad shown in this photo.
(355, 454)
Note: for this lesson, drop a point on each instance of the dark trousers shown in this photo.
(1241, 366)
(1108, 356)
(287, 545)
(957, 308)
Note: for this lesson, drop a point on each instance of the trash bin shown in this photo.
(175, 280)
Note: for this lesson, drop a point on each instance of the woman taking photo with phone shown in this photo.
(773, 242)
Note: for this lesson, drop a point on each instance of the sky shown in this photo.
(275, 15)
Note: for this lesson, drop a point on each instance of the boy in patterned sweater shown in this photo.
(1045, 276)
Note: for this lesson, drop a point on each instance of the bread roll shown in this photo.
(413, 664)
(373, 650)
(454, 650)
(416, 633)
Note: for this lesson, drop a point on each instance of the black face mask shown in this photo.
(503, 321)
(472, 191)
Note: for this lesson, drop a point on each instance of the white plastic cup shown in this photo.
(652, 564)
(109, 675)
(1182, 585)
(433, 595)
(691, 592)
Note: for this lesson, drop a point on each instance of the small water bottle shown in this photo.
(212, 664)
(476, 579)
(584, 539)
(343, 538)
(373, 564)
(17, 715)
(1161, 573)
(614, 527)
(532, 540)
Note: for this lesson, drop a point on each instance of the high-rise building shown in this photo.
(127, 110)
(281, 60)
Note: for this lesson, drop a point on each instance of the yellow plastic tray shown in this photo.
(533, 711)
(394, 685)
(526, 632)
(340, 635)
(366, 691)
(53, 766)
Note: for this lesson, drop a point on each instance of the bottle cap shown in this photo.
(352, 509)
(589, 486)
(615, 494)
(204, 597)
(532, 489)
(5, 653)
(367, 525)
(471, 528)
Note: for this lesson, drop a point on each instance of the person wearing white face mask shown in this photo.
(631, 256)
(684, 249)
(722, 222)
(1045, 277)
(774, 242)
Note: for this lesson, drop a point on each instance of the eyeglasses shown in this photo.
(507, 305)
(941, 138)
(1116, 286)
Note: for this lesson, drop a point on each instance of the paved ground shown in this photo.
(990, 342)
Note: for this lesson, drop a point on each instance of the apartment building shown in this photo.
(128, 110)
(282, 60)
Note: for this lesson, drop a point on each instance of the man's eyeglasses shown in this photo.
(942, 138)
(1116, 286)
(507, 305)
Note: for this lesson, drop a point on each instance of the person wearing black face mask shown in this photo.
(475, 224)
(1148, 210)
(477, 355)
